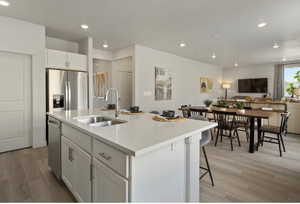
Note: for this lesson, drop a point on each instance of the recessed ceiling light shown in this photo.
(214, 56)
(84, 26)
(236, 64)
(182, 44)
(275, 46)
(262, 24)
(4, 3)
(105, 45)
(284, 59)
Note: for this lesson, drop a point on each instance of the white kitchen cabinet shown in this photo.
(56, 59)
(107, 185)
(77, 61)
(66, 60)
(76, 170)
(67, 160)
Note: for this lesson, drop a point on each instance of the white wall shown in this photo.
(102, 54)
(26, 38)
(123, 53)
(186, 75)
(63, 45)
(255, 71)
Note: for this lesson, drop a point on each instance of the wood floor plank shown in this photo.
(239, 176)
(260, 177)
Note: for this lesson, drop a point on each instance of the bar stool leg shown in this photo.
(208, 167)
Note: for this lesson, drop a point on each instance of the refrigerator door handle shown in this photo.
(66, 96)
(69, 94)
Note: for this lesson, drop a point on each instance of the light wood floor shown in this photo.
(260, 177)
(24, 177)
(239, 176)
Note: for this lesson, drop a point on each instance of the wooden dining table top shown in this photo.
(245, 112)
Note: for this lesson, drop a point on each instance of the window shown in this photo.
(289, 73)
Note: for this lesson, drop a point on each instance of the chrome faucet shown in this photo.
(117, 99)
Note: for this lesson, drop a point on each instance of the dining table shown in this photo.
(253, 114)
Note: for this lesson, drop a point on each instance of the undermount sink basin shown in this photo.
(99, 121)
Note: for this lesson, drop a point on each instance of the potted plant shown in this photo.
(297, 77)
(208, 102)
(291, 89)
(240, 105)
(222, 104)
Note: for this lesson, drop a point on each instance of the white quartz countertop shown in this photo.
(139, 135)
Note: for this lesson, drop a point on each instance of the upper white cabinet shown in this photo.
(65, 60)
(77, 61)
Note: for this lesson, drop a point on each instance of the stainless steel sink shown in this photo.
(99, 121)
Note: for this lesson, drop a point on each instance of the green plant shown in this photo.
(240, 105)
(208, 102)
(222, 104)
(297, 76)
(291, 89)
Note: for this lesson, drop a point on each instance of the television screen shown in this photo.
(259, 85)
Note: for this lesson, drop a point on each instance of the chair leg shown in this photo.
(279, 145)
(262, 139)
(238, 137)
(218, 132)
(281, 138)
(221, 136)
(211, 134)
(208, 167)
(230, 136)
(247, 134)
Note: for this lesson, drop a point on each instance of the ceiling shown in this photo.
(227, 28)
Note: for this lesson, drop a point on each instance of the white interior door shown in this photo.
(124, 86)
(15, 101)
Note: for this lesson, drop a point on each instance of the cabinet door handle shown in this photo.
(106, 157)
(71, 158)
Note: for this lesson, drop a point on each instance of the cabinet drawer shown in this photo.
(114, 158)
(79, 138)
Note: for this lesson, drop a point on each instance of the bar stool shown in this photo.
(205, 140)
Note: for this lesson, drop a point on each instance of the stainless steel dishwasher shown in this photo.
(54, 145)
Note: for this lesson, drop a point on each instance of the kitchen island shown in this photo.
(135, 160)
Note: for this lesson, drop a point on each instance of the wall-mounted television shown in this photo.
(259, 85)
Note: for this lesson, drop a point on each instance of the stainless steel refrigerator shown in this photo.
(66, 90)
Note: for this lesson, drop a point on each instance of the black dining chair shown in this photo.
(243, 124)
(275, 130)
(186, 113)
(226, 124)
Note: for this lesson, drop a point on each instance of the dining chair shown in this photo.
(195, 113)
(243, 124)
(226, 123)
(186, 112)
(279, 131)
